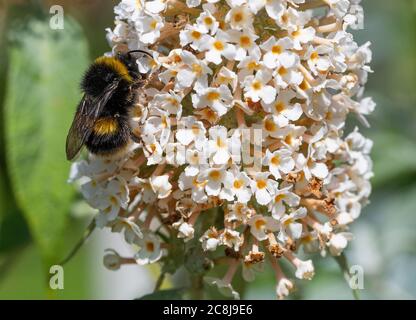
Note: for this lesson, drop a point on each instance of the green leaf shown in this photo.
(13, 228)
(169, 294)
(45, 68)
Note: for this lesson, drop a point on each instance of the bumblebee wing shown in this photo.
(80, 128)
(88, 111)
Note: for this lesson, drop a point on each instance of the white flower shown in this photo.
(284, 77)
(278, 53)
(227, 77)
(280, 161)
(219, 47)
(155, 6)
(245, 41)
(185, 230)
(311, 168)
(207, 22)
(210, 239)
(283, 288)
(289, 225)
(196, 185)
(222, 148)
(215, 178)
(301, 36)
(256, 87)
(150, 250)
(281, 198)
(274, 8)
(318, 59)
(131, 230)
(339, 242)
(236, 184)
(175, 154)
(304, 269)
(191, 130)
(283, 108)
(170, 102)
(192, 71)
(152, 149)
(239, 212)
(218, 99)
(263, 187)
(261, 225)
(239, 17)
(195, 158)
(161, 186)
(149, 27)
(110, 201)
(231, 239)
(195, 35)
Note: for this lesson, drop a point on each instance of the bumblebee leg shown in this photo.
(135, 137)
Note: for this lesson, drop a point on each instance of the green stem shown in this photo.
(197, 288)
(84, 238)
(159, 282)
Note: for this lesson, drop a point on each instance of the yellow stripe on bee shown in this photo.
(116, 65)
(105, 126)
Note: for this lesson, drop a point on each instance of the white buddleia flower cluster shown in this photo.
(243, 149)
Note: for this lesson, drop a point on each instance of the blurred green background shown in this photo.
(42, 217)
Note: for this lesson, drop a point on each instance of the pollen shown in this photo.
(269, 125)
(261, 184)
(238, 183)
(195, 129)
(275, 160)
(256, 85)
(282, 71)
(296, 33)
(279, 197)
(253, 65)
(304, 85)
(277, 49)
(245, 41)
(196, 68)
(177, 59)
(314, 55)
(279, 106)
(153, 24)
(213, 95)
(219, 45)
(289, 140)
(196, 35)
(260, 224)
(238, 17)
(150, 246)
(208, 21)
(215, 175)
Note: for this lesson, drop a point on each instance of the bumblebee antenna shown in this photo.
(141, 51)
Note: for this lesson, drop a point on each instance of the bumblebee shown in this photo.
(101, 121)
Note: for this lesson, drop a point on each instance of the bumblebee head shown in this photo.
(129, 59)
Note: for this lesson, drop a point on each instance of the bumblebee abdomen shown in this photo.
(109, 136)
